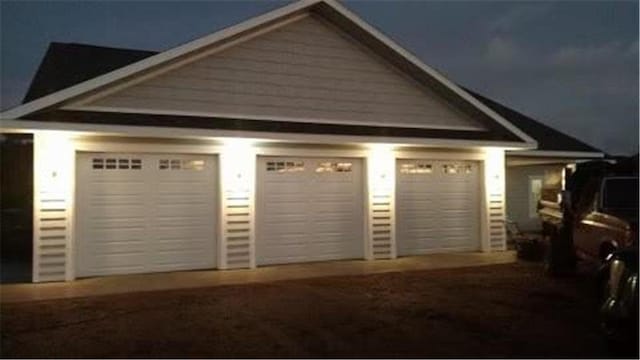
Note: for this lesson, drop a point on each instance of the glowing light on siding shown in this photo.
(53, 189)
(53, 170)
(494, 170)
(381, 200)
(381, 169)
(238, 166)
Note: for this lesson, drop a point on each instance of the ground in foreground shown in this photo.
(492, 311)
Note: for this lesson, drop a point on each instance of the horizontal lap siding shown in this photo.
(306, 70)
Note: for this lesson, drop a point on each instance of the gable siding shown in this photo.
(307, 70)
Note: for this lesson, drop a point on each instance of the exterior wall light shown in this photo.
(237, 203)
(381, 172)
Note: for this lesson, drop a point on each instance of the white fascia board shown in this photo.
(559, 154)
(155, 60)
(30, 126)
(429, 70)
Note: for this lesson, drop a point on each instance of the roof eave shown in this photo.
(557, 154)
(32, 126)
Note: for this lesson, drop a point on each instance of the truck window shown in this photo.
(620, 193)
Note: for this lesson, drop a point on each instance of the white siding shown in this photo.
(53, 185)
(307, 70)
(237, 225)
(518, 194)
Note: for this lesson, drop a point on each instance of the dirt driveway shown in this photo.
(491, 311)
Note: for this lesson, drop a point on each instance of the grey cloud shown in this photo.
(501, 51)
(595, 54)
(518, 16)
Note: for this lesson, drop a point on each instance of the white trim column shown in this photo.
(380, 222)
(494, 235)
(236, 248)
(53, 192)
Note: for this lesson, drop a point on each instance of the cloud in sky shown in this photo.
(518, 16)
(572, 65)
(501, 51)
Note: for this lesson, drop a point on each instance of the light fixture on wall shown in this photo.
(381, 167)
(238, 166)
(494, 170)
(53, 170)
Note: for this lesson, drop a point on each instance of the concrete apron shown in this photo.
(196, 279)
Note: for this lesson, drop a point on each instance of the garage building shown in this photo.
(301, 135)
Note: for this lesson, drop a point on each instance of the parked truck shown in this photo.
(588, 211)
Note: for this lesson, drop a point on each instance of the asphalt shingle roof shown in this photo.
(548, 138)
(65, 65)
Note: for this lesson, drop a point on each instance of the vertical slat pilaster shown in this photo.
(381, 232)
(53, 184)
(237, 215)
(494, 199)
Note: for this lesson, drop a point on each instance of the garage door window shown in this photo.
(181, 164)
(456, 169)
(116, 164)
(416, 168)
(334, 167)
(285, 166)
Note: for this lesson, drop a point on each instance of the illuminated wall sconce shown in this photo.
(494, 170)
(54, 164)
(381, 167)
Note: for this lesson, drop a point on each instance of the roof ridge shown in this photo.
(79, 44)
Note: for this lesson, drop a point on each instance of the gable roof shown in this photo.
(548, 138)
(66, 64)
(328, 9)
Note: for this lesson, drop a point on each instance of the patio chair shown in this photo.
(528, 247)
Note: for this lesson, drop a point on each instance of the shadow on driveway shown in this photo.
(491, 311)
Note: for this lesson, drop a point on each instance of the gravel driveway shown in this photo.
(492, 311)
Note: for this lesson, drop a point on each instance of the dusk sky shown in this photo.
(572, 65)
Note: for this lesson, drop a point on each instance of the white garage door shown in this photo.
(438, 206)
(309, 209)
(141, 213)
